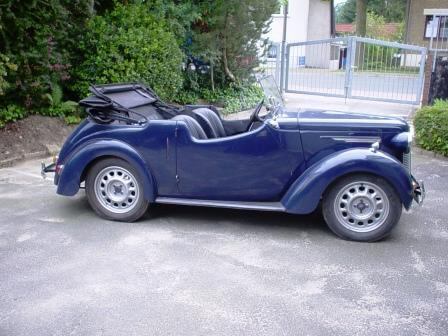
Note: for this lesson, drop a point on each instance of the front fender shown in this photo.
(304, 194)
(76, 162)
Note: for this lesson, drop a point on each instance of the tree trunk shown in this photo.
(361, 29)
(212, 77)
(224, 53)
(226, 65)
(361, 17)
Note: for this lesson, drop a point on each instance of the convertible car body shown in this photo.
(134, 150)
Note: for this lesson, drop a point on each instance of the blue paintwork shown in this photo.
(292, 164)
(304, 194)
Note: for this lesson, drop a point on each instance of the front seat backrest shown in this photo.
(193, 126)
(210, 122)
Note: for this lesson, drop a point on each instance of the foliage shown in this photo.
(38, 37)
(6, 68)
(179, 16)
(11, 113)
(234, 98)
(431, 127)
(439, 80)
(51, 50)
(228, 35)
(376, 28)
(391, 10)
(129, 45)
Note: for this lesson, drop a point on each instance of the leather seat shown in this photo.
(193, 126)
(210, 122)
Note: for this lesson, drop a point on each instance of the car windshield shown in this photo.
(273, 97)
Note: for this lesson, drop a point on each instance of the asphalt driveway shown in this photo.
(196, 271)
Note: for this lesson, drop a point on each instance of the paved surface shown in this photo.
(350, 105)
(193, 271)
(294, 100)
(402, 87)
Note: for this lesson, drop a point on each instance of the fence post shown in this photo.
(421, 76)
(282, 67)
(278, 64)
(351, 50)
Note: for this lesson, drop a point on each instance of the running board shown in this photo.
(260, 206)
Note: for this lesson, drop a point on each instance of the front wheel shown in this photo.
(361, 208)
(115, 191)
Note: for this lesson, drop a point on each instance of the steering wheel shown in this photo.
(254, 117)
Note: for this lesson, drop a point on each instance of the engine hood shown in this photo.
(326, 120)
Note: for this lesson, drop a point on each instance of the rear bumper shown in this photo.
(418, 191)
(51, 168)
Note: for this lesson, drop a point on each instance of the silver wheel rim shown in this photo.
(116, 189)
(361, 206)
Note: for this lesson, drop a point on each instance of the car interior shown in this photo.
(135, 104)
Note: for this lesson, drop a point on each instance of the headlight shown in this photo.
(402, 141)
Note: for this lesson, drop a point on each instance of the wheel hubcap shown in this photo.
(361, 206)
(116, 189)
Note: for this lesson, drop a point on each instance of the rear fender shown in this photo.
(304, 194)
(75, 164)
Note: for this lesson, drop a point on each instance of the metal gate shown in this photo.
(356, 67)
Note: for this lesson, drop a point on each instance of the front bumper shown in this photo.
(418, 190)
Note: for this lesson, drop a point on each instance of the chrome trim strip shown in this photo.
(260, 206)
(304, 120)
(352, 139)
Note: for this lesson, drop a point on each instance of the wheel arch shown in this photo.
(304, 195)
(77, 165)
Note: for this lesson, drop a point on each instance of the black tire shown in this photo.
(137, 204)
(383, 208)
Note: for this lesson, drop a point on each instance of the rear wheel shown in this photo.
(115, 191)
(361, 208)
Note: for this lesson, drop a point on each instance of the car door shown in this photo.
(253, 166)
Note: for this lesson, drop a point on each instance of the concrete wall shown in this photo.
(415, 31)
(318, 56)
(297, 23)
(319, 20)
(307, 20)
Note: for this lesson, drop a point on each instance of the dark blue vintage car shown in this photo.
(134, 150)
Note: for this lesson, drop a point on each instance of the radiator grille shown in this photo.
(407, 160)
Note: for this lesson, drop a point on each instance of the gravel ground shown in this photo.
(195, 271)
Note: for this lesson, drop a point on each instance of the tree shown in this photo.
(39, 38)
(228, 34)
(346, 12)
(391, 10)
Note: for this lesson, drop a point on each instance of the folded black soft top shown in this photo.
(130, 103)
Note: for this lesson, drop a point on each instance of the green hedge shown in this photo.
(431, 127)
(130, 45)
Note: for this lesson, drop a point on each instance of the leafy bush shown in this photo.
(431, 127)
(234, 98)
(38, 37)
(11, 113)
(6, 68)
(130, 45)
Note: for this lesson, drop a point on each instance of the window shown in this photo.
(436, 26)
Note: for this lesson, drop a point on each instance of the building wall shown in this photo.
(297, 23)
(416, 20)
(307, 20)
(319, 20)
